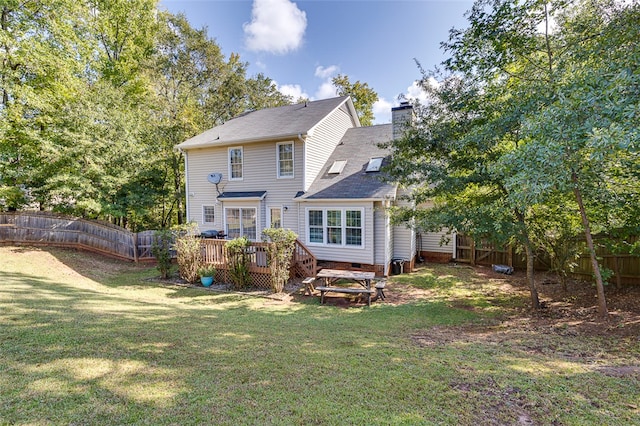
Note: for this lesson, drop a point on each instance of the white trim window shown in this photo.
(275, 217)
(285, 159)
(241, 221)
(336, 227)
(208, 214)
(235, 163)
(315, 226)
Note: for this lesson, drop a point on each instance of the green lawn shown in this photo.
(88, 341)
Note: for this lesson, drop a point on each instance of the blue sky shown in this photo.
(302, 44)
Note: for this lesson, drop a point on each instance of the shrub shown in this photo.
(280, 250)
(207, 271)
(238, 259)
(161, 250)
(189, 249)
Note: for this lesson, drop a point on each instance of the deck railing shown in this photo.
(214, 251)
(304, 263)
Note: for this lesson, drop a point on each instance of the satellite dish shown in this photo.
(214, 178)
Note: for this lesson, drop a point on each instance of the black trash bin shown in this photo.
(397, 266)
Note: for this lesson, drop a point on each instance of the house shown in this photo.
(311, 168)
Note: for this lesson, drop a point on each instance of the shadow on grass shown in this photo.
(94, 352)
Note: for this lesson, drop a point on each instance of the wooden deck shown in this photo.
(303, 263)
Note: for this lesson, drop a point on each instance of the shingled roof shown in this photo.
(357, 146)
(270, 124)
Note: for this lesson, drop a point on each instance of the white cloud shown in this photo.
(415, 92)
(293, 90)
(326, 73)
(277, 26)
(326, 90)
(382, 111)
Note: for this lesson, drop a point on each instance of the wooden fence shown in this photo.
(625, 267)
(47, 229)
(43, 228)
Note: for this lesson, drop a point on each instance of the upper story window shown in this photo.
(285, 159)
(235, 163)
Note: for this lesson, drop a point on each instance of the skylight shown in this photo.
(337, 167)
(374, 164)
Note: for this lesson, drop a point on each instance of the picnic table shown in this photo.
(334, 276)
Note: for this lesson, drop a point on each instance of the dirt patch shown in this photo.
(620, 371)
(564, 312)
(570, 311)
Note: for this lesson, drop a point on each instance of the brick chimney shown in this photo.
(401, 116)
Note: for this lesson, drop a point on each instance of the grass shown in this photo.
(88, 341)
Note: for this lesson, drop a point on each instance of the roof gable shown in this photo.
(358, 146)
(278, 123)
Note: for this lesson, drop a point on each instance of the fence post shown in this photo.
(473, 252)
(135, 246)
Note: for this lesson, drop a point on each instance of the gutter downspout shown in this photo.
(300, 218)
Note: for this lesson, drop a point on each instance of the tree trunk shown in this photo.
(178, 188)
(535, 301)
(602, 302)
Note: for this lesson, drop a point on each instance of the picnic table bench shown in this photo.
(332, 276)
(323, 290)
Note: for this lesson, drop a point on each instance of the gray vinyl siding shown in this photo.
(259, 174)
(363, 254)
(322, 141)
(404, 241)
(380, 244)
(431, 242)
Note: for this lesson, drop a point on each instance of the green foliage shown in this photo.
(556, 233)
(207, 270)
(525, 113)
(362, 95)
(239, 260)
(188, 247)
(161, 250)
(280, 250)
(94, 97)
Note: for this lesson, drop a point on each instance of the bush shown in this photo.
(280, 249)
(207, 271)
(189, 249)
(238, 259)
(161, 250)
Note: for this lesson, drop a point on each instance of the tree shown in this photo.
(41, 70)
(195, 88)
(95, 95)
(362, 95)
(523, 114)
(584, 140)
(451, 157)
